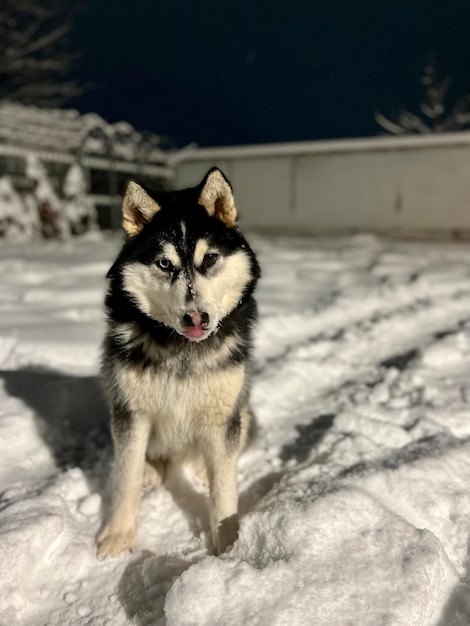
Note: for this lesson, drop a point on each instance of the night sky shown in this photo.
(227, 72)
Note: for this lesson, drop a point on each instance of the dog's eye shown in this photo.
(165, 265)
(209, 260)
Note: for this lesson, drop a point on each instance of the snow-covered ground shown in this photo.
(354, 499)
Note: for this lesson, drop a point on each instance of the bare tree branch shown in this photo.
(434, 114)
(34, 55)
(391, 127)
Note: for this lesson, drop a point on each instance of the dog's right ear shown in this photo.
(138, 209)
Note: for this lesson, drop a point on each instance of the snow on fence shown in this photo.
(74, 151)
(401, 186)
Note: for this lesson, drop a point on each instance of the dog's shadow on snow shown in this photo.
(145, 583)
(193, 499)
(72, 418)
(70, 412)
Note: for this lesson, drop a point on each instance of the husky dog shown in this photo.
(176, 355)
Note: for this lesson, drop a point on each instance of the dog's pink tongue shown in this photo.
(194, 332)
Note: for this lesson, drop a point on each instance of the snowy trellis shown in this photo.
(60, 149)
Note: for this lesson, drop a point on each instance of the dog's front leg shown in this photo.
(130, 443)
(222, 473)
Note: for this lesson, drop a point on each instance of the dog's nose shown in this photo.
(197, 318)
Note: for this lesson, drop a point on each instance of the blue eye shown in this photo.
(165, 265)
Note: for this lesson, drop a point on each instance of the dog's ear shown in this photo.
(217, 198)
(138, 208)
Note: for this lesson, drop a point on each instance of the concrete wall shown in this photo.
(391, 185)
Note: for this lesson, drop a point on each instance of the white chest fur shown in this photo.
(180, 409)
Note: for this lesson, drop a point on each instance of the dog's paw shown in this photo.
(111, 542)
(153, 476)
(226, 534)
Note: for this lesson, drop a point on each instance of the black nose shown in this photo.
(197, 318)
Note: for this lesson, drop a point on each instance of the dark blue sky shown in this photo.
(225, 72)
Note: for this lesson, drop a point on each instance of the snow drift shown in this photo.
(354, 499)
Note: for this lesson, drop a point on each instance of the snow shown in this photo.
(354, 498)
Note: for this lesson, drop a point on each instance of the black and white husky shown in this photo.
(176, 356)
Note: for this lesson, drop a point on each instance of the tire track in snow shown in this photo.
(287, 389)
(278, 336)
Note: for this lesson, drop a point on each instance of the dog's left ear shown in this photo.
(217, 198)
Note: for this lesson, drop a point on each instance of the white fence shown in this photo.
(404, 186)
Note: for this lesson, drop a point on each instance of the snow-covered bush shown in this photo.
(18, 221)
(78, 207)
(40, 212)
(43, 198)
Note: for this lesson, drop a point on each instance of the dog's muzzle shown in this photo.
(196, 324)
